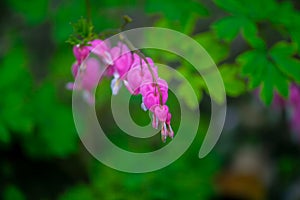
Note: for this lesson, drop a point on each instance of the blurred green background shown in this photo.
(257, 157)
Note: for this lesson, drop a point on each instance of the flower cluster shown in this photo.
(292, 104)
(138, 74)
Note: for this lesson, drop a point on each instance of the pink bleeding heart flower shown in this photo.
(80, 53)
(122, 62)
(139, 75)
(89, 73)
(122, 59)
(161, 112)
(151, 87)
(144, 66)
(151, 100)
(168, 122)
(101, 48)
(161, 115)
(133, 80)
(75, 68)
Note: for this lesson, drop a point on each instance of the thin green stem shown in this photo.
(88, 11)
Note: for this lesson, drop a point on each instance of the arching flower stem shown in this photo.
(142, 56)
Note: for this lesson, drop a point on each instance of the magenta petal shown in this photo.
(91, 74)
(151, 100)
(161, 112)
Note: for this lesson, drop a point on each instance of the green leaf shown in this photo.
(282, 54)
(77, 193)
(34, 12)
(217, 50)
(234, 84)
(273, 78)
(232, 6)
(61, 17)
(183, 92)
(13, 193)
(261, 69)
(56, 135)
(15, 109)
(250, 34)
(169, 9)
(253, 65)
(229, 27)
(250, 9)
(4, 134)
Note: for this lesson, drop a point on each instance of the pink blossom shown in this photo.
(140, 76)
(151, 100)
(80, 52)
(101, 49)
(89, 74)
(122, 59)
(161, 115)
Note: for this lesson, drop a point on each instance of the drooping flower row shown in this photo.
(138, 74)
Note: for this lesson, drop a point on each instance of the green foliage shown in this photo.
(182, 20)
(168, 7)
(228, 28)
(55, 126)
(12, 193)
(14, 76)
(78, 193)
(249, 9)
(29, 13)
(4, 134)
(271, 69)
(83, 32)
(260, 69)
(282, 54)
(234, 84)
(218, 51)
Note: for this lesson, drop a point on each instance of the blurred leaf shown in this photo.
(183, 92)
(4, 134)
(250, 34)
(56, 134)
(14, 76)
(228, 28)
(78, 193)
(168, 8)
(13, 193)
(232, 6)
(251, 9)
(217, 50)
(62, 15)
(234, 85)
(34, 12)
